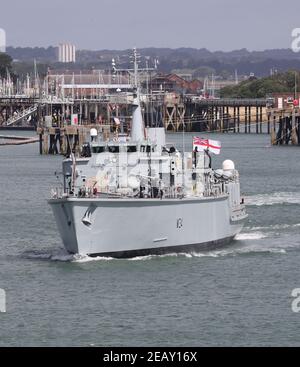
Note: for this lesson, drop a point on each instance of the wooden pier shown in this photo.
(58, 133)
(285, 124)
(224, 115)
(11, 106)
(64, 140)
(171, 110)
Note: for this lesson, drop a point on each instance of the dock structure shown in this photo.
(15, 109)
(57, 119)
(64, 140)
(224, 115)
(102, 97)
(285, 125)
(174, 112)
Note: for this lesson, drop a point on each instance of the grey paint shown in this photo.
(134, 224)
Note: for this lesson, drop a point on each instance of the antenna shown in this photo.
(113, 64)
(137, 129)
(73, 83)
(136, 57)
(295, 93)
(36, 77)
(212, 86)
(183, 151)
(114, 69)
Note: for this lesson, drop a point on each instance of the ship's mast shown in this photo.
(137, 129)
(136, 69)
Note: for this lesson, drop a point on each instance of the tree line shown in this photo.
(264, 87)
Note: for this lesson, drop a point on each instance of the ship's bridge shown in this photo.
(124, 148)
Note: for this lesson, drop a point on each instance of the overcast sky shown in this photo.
(121, 24)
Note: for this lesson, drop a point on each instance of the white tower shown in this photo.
(66, 53)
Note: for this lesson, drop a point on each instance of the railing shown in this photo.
(231, 102)
(21, 115)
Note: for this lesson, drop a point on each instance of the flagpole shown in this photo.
(183, 165)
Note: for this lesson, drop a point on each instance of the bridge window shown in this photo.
(147, 148)
(114, 149)
(98, 150)
(131, 149)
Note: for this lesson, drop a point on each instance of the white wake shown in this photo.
(273, 199)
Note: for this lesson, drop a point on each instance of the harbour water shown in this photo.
(237, 296)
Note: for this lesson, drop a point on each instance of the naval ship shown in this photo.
(140, 196)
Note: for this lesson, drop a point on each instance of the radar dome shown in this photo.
(228, 165)
(93, 132)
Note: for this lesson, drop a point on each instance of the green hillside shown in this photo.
(261, 88)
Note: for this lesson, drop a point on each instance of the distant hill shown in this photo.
(245, 62)
(28, 54)
(194, 60)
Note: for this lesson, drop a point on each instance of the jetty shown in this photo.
(63, 107)
(284, 118)
(17, 140)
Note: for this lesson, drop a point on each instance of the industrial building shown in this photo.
(66, 53)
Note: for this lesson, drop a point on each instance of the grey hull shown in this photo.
(167, 250)
(135, 227)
